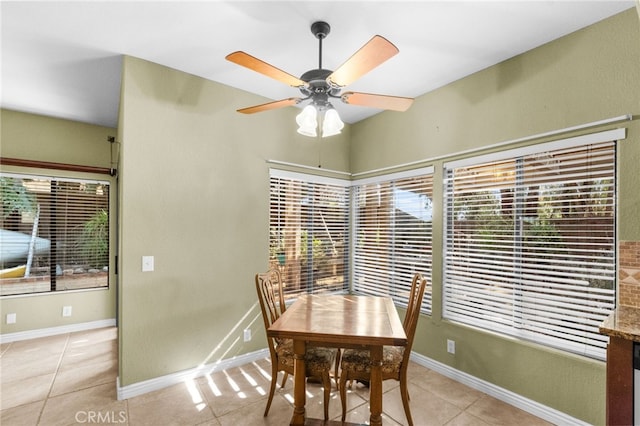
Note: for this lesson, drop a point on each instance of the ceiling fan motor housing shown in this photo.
(318, 84)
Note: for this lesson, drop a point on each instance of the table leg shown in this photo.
(299, 382)
(375, 386)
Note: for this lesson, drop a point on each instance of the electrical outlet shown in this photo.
(66, 311)
(247, 334)
(451, 346)
(11, 318)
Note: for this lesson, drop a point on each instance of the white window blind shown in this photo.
(309, 231)
(392, 235)
(54, 234)
(530, 243)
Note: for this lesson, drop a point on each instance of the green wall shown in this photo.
(195, 195)
(587, 76)
(34, 137)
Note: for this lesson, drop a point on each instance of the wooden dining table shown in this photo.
(341, 321)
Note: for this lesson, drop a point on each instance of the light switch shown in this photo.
(147, 263)
(11, 318)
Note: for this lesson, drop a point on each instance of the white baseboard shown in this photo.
(135, 389)
(547, 413)
(52, 331)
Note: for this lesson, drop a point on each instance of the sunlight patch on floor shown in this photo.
(212, 386)
(262, 371)
(196, 397)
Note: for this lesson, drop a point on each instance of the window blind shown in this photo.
(54, 234)
(309, 231)
(530, 244)
(392, 234)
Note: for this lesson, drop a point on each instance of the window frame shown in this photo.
(317, 242)
(59, 276)
(590, 347)
(400, 271)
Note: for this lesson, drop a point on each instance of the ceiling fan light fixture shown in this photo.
(331, 125)
(308, 121)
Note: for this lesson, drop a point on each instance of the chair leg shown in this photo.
(326, 382)
(343, 394)
(284, 379)
(272, 388)
(404, 393)
(337, 368)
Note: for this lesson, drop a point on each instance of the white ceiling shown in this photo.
(64, 59)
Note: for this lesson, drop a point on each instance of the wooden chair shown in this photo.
(318, 361)
(356, 363)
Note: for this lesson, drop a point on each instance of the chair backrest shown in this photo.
(410, 323)
(278, 287)
(269, 289)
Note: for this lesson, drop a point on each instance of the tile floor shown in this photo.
(71, 379)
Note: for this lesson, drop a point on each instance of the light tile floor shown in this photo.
(71, 379)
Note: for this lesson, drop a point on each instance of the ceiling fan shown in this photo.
(320, 85)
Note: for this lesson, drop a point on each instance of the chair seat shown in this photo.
(359, 360)
(356, 363)
(316, 359)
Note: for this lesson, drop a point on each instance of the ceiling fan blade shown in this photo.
(255, 64)
(394, 103)
(376, 51)
(270, 105)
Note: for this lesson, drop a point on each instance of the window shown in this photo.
(530, 242)
(309, 230)
(54, 234)
(392, 220)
